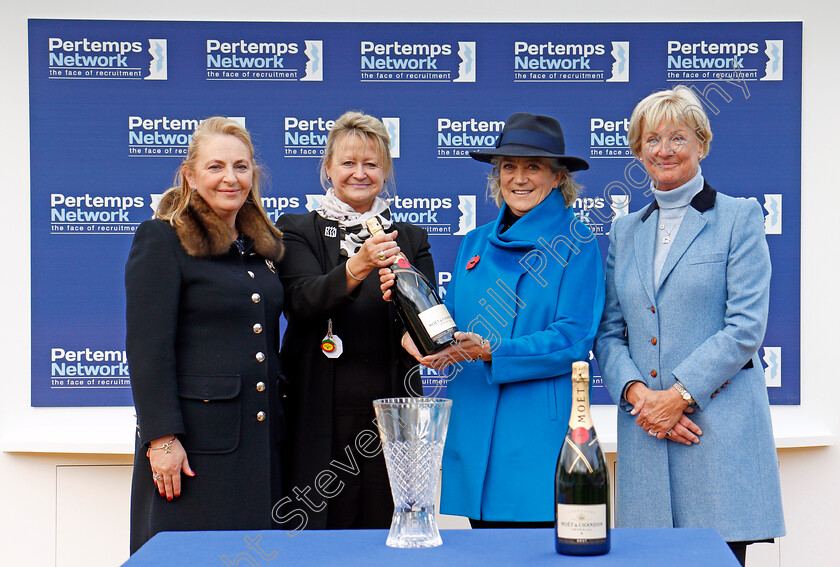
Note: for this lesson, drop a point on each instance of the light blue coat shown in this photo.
(708, 317)
(536, 293)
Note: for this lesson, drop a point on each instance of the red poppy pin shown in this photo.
(473, 261)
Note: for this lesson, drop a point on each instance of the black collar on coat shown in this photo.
(702, 201)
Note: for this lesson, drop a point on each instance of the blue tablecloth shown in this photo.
(461, 548)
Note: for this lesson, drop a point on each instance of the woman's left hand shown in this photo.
(468, 347)
(386, 282)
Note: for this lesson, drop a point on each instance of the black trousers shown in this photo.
(739, 548)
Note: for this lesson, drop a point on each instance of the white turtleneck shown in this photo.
(673, 205)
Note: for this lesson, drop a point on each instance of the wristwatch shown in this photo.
(683, 392)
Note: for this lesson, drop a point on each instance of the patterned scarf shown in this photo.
(351, 224)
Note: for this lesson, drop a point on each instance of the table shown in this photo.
(463, 548)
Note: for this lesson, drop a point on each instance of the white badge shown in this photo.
(331, 344)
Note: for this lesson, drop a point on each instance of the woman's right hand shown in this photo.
(378, 251)
(167, 467)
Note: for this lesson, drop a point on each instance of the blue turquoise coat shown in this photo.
(536, 293)
(709, 317)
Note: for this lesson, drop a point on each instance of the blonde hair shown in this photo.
(678, 106)
(365, 128)
(568, 186)
(176, 199)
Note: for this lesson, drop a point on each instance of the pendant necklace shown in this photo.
(667, 238)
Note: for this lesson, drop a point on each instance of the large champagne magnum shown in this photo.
(582, 482)
(427, 320)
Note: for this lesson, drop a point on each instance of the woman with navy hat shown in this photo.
(527, 292)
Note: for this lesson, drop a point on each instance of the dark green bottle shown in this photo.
(582, 481)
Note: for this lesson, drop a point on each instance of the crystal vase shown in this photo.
(413, 431)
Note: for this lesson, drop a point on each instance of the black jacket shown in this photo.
(198, 316)
(314, 281)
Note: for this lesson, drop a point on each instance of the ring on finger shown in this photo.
(651, 433)
(156, 477)
(670, 431)
(381, 255)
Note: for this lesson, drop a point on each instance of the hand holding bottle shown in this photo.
(467, 347)
(424, 315)
(377, 251)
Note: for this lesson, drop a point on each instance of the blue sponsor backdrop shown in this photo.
(113, 103)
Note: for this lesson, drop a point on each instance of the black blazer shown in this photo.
(314, 282)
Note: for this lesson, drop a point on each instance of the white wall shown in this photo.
(38, 488)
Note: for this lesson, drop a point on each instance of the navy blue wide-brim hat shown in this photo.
(532, 135)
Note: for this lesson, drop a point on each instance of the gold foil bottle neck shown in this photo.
(373, 226)
(580, 371)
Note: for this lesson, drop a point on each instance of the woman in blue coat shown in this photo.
(688, 282)
(527, 292)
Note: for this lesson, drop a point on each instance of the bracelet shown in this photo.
(166, 447)
(349, 273)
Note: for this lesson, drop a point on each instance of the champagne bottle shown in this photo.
(425, 317)
(582, 481)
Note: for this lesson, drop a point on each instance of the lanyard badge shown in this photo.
(331, 344)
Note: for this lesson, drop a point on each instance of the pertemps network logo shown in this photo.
(712, 61)
(392, 126)
(583, 208)
(773, 371)
(549, 62)
(74, 214)
(158, 65)
(276, 206)
(107, 59)
(162, 136)
(243, 60)
(773, 217)
(418, 62)
(72, 368)
(620, 72)
(306, 137)
(456, 137)
(775, 50)
(608, 138)
(438, 215)
(314, 68)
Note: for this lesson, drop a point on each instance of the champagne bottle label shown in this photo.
(581, 521)
(436, 319)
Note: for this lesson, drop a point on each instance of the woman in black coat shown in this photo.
(203, 306)
(341, 349)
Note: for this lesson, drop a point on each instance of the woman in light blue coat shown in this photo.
(527, 291)
(688, 282)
